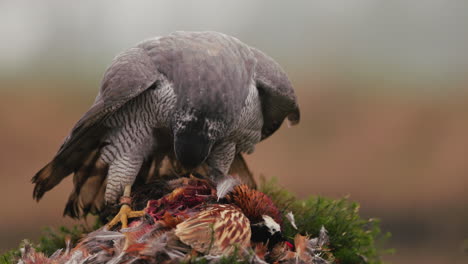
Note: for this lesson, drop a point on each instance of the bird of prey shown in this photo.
(197, 98)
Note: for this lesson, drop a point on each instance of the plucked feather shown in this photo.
(226, 186)
(217, 230)
(254, 204)
(290, 217)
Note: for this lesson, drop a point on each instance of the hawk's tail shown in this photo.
(88, 180)
(49, 176)
(89, 186)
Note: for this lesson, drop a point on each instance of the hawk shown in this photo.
(199, 99)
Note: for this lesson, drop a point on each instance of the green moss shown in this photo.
(352, 238)
(56, 239)
(9, 257)
(234, 258)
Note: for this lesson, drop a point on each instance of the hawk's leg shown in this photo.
(126, 211)
(122, 173)
(220, 159)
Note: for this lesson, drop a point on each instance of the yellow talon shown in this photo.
(125, 212)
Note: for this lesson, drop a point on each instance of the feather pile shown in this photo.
(193, 222)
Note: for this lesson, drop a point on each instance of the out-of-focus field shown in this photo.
(403, 157)
(382, 86)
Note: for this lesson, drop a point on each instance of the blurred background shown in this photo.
(382, 86)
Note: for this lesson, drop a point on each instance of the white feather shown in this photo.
(290, 217)
(106, 235)
(226, 186)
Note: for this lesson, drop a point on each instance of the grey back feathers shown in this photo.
(210, 73)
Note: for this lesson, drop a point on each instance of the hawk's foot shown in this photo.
(126, 211)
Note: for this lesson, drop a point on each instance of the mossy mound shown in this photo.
(352, 239)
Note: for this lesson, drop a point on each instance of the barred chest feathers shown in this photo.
(133, 124)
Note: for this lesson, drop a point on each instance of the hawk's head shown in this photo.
(194, 136)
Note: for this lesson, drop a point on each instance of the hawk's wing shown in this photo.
(276, 94)
(130, 74)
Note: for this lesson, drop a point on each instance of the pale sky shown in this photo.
(427, 37)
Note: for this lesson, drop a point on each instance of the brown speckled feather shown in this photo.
(217, 230)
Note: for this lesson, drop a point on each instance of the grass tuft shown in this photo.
(353, 239)
(10, 256)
